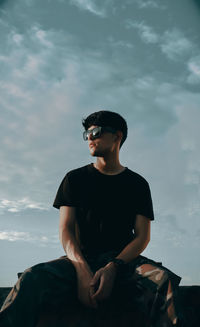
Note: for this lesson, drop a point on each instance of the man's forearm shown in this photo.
(133, 249)
(73, 252)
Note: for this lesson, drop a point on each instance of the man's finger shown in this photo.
(99, 290)
(92, 289)
(94, 302)
(94, 279)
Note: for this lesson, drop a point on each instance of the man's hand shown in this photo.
(102, 282)
(85, 291)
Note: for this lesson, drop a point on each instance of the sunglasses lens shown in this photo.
(95, 132)
(85, 135)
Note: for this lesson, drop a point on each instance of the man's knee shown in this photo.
(60, 268)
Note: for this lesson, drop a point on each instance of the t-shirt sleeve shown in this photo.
(144, 203)
(65, 195)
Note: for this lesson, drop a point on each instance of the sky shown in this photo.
(62, 60)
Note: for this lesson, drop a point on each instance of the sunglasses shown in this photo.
(96, 132)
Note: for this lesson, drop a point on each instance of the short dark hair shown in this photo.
(107, 118)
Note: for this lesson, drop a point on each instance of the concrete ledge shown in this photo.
(3, 293)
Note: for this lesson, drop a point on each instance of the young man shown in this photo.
(105, 216)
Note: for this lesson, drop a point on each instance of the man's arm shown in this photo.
(142, 237)
(107, 274)
(71, 247)
(68, 240)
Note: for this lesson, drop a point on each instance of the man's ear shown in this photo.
(119, 134)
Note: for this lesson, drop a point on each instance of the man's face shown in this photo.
(102, 145)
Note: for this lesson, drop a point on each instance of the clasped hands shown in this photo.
(97, 287)
(102, 283)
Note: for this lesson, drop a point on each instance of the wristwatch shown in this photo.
(118, 262)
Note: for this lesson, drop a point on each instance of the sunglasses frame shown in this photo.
(100, 130)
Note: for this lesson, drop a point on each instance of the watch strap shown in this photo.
(118, 262)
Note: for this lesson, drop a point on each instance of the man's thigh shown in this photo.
(142, 276)
(47, 286)
(61, 268)
(143, 268)
(56, 280)
(50, 284)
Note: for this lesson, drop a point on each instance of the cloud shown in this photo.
(119, 43)
(17, 38)
(145, 83)
(175, 44)
(20, 205)
(146, 32)
(143, 4)
(89, 5)
(40, 88)
(14, 236)
(41, 35)
(169, 137)
(194, 69)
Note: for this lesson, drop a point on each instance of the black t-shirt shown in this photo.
(106, 206)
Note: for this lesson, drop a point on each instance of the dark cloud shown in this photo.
(197, 3)
(3, 3)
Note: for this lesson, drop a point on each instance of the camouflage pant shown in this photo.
(52, 284)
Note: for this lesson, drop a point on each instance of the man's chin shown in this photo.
(95, 154)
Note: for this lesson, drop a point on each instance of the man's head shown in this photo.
(107, 120)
